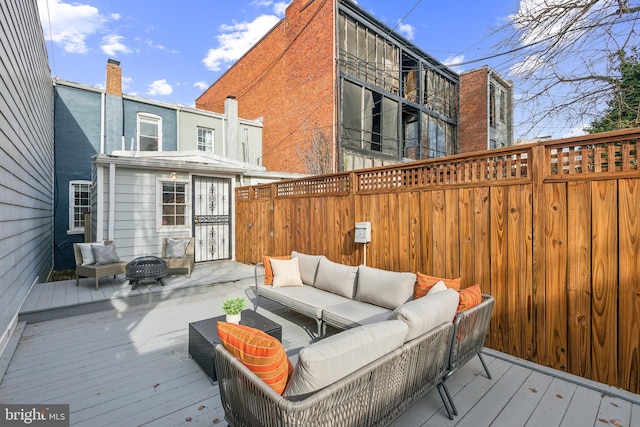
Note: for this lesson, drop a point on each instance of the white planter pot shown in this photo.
(233, 318)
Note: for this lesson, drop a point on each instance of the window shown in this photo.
(173, 204)
(205, 140)
(149, 132)
(368, 56)
(492, 106)
(79, 204)
(503, 107)
(369, 120)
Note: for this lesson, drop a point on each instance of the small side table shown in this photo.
(146, 267)
(203, 335)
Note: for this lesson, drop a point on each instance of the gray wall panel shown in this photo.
(26, 157)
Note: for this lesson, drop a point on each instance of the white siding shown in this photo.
(135, 212)
(26, 157)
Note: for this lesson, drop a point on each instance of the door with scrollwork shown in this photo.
(212, 218)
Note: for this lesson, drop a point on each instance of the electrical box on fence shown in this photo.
(363, 232)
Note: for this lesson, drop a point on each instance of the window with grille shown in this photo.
(173, 206)
(149, 132)
(205, 140)
(79, 204)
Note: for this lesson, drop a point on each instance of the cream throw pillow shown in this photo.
(286, 273)
(438, 287)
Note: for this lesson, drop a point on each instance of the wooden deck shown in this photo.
(128, 364)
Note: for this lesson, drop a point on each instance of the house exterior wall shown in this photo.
(289, 79)
(189, 124)
(248, 135)
(77, 130)
(26, 159)
(486, 111)
(131, 109)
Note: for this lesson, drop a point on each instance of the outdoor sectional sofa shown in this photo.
(394, 349)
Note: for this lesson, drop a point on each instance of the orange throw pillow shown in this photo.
(261, 353)
(268, 271)
(425, 282)
(469, 297)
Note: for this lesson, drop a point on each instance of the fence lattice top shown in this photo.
(611, 153)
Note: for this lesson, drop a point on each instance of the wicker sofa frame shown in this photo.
(371, 396)
(470, 333)
(96, 271)
(471, 329)
(181, 263)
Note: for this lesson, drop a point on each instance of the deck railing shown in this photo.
(551, 230)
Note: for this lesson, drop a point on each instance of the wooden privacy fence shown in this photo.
(551, 230)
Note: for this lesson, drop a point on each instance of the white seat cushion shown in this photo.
(354, 313)
(303, 299)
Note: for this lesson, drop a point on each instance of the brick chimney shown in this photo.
(114, 78)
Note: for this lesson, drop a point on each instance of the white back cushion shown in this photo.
(384, 288)
(336, 278)
(423, 314)
(325, 362)
(308, 265)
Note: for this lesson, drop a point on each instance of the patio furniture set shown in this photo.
(100, 259)
(390, 350)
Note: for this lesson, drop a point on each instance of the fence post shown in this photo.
(87, 227)
(538, 308)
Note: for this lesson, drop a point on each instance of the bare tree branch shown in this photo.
(563, 55)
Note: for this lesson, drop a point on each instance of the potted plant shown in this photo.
(232, 307)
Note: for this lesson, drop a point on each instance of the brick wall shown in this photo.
(474, 118)
(288, 79)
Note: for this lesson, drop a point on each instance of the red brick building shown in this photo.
(288, 78)
(340, 90)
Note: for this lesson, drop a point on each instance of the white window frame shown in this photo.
(149, 118)
(160, 226)
(207, 148)
(73, 229)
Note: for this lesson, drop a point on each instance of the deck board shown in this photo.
(129, 365)
(486, 410)
(583, 408)
(553, 406)
(517, 411)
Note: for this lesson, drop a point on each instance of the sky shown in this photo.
(172, 51)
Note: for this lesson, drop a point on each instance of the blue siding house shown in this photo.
(146, 170)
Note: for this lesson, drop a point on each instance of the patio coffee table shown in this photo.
(203, 335)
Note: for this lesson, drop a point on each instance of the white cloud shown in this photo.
(236, 39)
(112, 44)
(541, 19)
(577, 130)
(528, 67)
(261, 3)
(280, 7)
(159, 87)
(202, 85)
(452, 62)
(406, 30)
(126, 84)
(69, 24)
